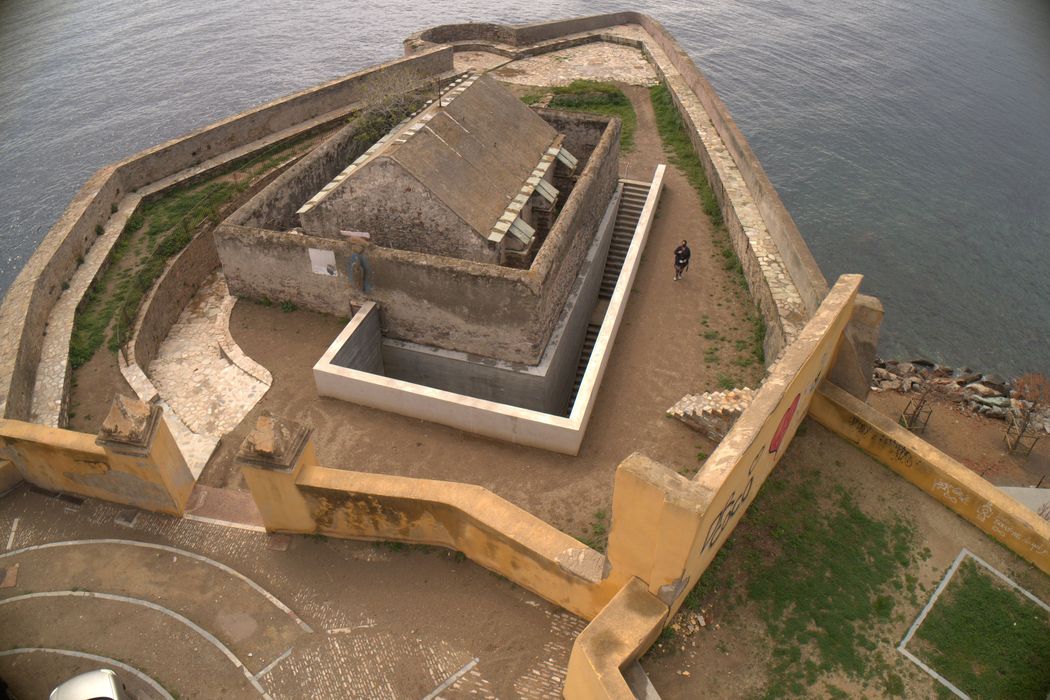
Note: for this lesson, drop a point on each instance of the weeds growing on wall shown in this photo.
(824, 575)
(157, 231)
(597, 98)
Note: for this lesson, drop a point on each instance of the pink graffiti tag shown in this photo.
(774, 445)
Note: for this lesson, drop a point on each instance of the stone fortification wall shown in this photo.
(28, 302)
(170, 296)
(493, 311)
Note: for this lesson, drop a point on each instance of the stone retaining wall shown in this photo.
(170, 296)
(27, 305)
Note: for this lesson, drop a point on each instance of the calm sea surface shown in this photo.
(910, 139)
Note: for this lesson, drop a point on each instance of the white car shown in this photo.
(102, 684)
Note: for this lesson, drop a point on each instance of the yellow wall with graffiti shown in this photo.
(950, 482)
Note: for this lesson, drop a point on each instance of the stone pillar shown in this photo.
(138, 443)
(656, 517)
(271, 459)
(856, 359)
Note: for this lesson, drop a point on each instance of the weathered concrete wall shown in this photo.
(9, 476)
(294, 494)
(545, 387)
(398, 211)
(170, 296)
(482, 309)
(621, 632)
(134, 460)
(949, 482)
(521, 426)
(363, 348)
(29, 300)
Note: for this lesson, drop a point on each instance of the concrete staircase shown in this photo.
(712, 413)
(631, 203)
(627, 216)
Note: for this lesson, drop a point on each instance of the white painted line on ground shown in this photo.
(963, 554)
(223, 523)
(1010, 582)
(933, 599)
(97, 659)
(269, 666)
(452, 679)
(174, 550)
(211, 638)
(14, 529)
(922, 616)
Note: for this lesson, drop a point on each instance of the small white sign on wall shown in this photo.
(322, 262)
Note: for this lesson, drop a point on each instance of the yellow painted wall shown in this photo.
(71, 462)
(944, 478)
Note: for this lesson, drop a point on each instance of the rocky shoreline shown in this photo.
(989, 395)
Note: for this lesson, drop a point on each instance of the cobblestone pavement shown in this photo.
(208, 394)
(203, 610)
(598, 61)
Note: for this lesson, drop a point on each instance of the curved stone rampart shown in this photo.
(27, 306)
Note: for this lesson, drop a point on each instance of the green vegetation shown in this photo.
(597, 535)
(682, 154)
(677, 143)
(987, 639)
(157, 231)
(822, 573)
(596, 98)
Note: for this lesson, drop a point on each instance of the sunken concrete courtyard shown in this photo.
(387, 389)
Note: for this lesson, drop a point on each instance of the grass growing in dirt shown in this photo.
(157, 231)
(987, 639)
(680, 148)
(597, 535)
(597, 98)
(682, 154)
(823, 575)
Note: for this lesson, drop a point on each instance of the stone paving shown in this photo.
(305, 617)
(206, 392)
(598, 61)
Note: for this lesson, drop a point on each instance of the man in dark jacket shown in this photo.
(681, 260)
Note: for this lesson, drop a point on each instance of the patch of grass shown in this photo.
(288, 307)
(987, 639)
(726, 381)
(532, 98)
(160, 228)
(820, 572)
(711, 335)
(598, 98)
(677, 143)
(597, 535)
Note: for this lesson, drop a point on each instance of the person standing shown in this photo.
(681, 260)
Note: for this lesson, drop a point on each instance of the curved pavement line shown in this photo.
(211, 638)
(100, 659)
(174, 550)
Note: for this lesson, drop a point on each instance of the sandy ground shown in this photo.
(974, 440)
(727, 658)
(658, 357)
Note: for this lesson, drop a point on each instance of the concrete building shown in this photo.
(471, 176)
(474, 233)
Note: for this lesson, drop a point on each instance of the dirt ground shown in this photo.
(974, 440)
(729, 657)
(658, 357)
